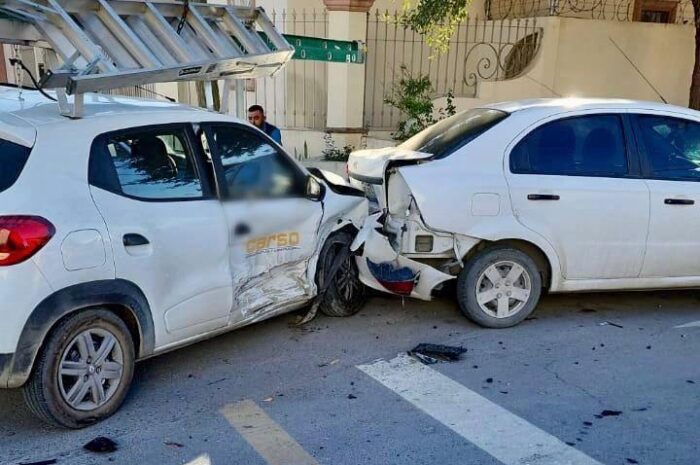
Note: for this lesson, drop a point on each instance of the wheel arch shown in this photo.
(122, 297)
(540, 257)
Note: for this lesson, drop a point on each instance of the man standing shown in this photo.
(256, 117)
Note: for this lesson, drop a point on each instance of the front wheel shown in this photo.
(499, 287)
(344, 293)
(84, 370)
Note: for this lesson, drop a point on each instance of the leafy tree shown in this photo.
(436, 20)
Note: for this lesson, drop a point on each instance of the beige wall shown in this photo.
(578, 58)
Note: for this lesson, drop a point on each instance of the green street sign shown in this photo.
(317, 49)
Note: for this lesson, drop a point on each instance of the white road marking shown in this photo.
(265, 436)
(201, 460)
(694, 324)
(505, 436)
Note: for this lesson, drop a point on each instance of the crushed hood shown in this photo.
(369, 165)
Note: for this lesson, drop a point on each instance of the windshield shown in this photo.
(13, 157)
(444, 138)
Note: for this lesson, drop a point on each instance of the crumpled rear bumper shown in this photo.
(377, 252)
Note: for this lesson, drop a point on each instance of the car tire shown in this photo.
(63, 389)
(345, 294)
(488, 294)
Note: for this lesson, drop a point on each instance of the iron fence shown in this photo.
(296, 97)
(479, 50)
(667, 11)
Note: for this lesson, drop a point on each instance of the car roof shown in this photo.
(562, 105)
(22, 111)
(36, 109)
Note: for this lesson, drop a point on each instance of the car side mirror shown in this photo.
(314, 189)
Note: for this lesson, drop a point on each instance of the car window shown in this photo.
(13, 157)
(444, 138)
(153, 165)
(671, 145)
(252, 167)
(592, 145)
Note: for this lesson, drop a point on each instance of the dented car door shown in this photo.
(272, 224)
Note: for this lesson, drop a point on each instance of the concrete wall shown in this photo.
(577, 58)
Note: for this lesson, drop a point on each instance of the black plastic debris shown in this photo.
(587, 310)
(40, 462)
(632, 461)
(174, 444)
(690, 381)
(101, 445)
(489, 380)
(434, 353)
(609, 413)
(588, 423)
(352, 396)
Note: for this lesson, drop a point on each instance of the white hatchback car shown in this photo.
(145, 226)
(516, 198)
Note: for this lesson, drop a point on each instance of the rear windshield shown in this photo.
(12, 160)
(444, 138)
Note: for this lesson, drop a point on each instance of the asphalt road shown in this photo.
(275, 394)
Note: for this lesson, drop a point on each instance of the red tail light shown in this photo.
(22, 236)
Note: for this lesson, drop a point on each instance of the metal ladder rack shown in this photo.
(107, 44)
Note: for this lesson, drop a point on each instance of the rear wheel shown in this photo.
(345, 294)
(84, 370)
(499, 287)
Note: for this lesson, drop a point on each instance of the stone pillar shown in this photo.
(347, 20)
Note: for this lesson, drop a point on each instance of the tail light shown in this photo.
(22, 236)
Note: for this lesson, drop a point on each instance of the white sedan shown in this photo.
(515, 198)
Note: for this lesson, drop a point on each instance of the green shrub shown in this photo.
(413, 97)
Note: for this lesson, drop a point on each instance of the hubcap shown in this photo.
(503, 289)
(91, 369)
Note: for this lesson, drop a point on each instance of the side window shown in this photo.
(580, 146)
(671, 145)
(252, 167)
(153, 165)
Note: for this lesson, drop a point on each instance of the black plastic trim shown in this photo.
(68, 300)
(337, 188)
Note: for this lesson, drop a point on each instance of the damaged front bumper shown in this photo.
(382, 268)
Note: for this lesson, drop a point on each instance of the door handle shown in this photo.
(241, 229)
(679, 202)
(542, 197)
(133, 240)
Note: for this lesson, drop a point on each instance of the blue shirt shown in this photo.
(273, 132)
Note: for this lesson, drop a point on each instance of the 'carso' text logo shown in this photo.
(272, 242)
